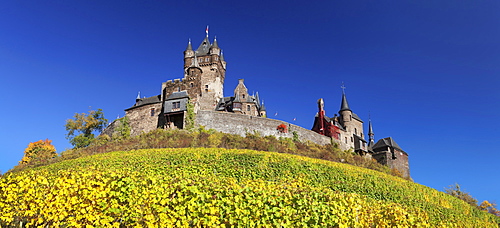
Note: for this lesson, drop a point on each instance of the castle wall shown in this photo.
(398, 161)
(233, 123)
(141, 120)
(401, 163)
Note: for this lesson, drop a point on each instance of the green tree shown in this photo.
(82, 127)
(122, 130)
(456, 191)
(189, 120)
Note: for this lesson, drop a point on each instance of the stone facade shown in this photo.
(386, 151)
(143, 118)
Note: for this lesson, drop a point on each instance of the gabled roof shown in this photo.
(382, 143)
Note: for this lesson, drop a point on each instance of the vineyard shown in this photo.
(215, 187)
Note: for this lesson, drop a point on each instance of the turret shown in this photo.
(188, 53)
(214, 49)
(262, 110)
(345, 112)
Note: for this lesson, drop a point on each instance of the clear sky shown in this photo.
(426, 71)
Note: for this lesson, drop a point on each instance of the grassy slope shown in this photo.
(217, 186)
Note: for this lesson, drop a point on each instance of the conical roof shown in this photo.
(262, 107)
(370, 128)
(215, 44)
(189, 47)
(344, 106)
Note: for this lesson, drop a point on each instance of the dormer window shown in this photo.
(243, 95)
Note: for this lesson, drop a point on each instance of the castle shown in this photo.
(202, 88)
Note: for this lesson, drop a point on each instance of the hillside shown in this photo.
(213, 187)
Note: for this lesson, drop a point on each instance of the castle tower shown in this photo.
(204, 74)
(211, 80)
(345, 112)
(353, 126)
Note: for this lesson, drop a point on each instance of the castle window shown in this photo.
(201, 60)
(206, 59)
(191, 84)
(178, 89)
(206, 88)
(355, 131)
(345, 139)
(352, 140)
(350, 117)
(176, 105)
(152, 112)
(216, 58)
(248, 107)
(243, 95)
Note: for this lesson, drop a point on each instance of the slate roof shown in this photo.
(145, 101)
(355, 116)
(177, 95)
(189, 47)
(344, 105)
(204, 47)
(387, 142)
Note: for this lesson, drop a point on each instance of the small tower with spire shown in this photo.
(188, 54)
(345, 112)
(371, 135)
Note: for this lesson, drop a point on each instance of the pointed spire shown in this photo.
(257, 99)
(215, 45)
(262, 107)
(344, 106)
(370, 134)
(222, 56)
(138, 96)
(189, 47)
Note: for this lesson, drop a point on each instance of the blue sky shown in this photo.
(426, 71)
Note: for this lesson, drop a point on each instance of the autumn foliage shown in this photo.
(38, 151)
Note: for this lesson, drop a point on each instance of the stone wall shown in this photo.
(239, 124)
(401, 163)
(141, 120)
